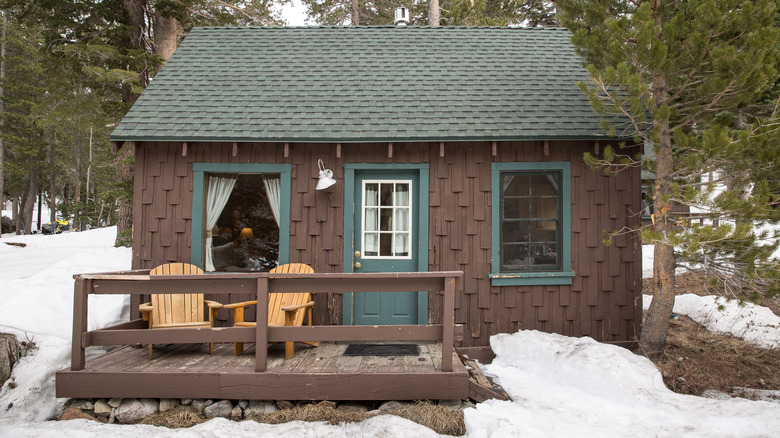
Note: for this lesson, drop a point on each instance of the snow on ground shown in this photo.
(752, 323)
(561, 386)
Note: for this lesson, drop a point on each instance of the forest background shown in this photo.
(698, 81)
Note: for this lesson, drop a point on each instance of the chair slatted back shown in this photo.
(277, 301)
(176, 308)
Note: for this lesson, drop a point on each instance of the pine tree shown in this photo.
(683, 77)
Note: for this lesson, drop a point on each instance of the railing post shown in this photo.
(77, 357)
(261, 333)
(448, 322)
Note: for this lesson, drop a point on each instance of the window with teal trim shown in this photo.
(531, 223)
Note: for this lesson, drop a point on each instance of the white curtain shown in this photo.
(273, 191)
(218, 195)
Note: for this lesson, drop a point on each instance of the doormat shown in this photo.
(382, 350)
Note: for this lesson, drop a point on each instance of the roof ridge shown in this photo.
(318, 26)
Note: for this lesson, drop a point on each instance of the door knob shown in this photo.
(357, 265)
(357, 253)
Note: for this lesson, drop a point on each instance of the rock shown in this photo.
(221, 408)
(327, 404)
(392, 405)
(258, 407)
(236, 414)
(166, 404)
(352, 407)
(715, 394)
(102, 408)
(284, 404)
(454, 404)
(84, 405)
(115, 402)
(243, 404)
(133, 410)
(199, 404)
(76, 414)
(186, 401)
(9, 355)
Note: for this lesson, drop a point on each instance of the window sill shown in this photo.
(531, 278)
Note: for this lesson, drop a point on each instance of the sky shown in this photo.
(295, 13)
(561, 386)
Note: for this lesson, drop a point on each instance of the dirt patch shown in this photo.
(695, 359)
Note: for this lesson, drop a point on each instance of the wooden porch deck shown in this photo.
(315, 373)
(182, 367)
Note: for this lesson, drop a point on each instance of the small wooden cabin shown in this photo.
(452, 149)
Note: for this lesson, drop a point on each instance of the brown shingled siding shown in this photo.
(603, 300)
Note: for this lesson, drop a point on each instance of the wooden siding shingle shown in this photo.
(603, 301)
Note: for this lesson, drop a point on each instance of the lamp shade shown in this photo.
(326, 177)
(246, 233)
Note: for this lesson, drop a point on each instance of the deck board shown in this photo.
(315, 373)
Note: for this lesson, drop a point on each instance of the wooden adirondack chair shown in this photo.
(178, 310)
(283, 309)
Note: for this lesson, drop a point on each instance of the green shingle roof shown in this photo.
(355, 84)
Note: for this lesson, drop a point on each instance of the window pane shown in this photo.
(544, 185)
(372, 194)
(514, 255)
(401, 219)
(513, 232)
(372, 220)
(372, 244)
(386, 219)
(401, 194)
(545, 208)
(401, 245)
(544, 231)
(385, 242)
(517, 208)
(544, 254)
(386, 197)
(515, 185)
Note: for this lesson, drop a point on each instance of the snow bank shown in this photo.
(578, 387)
(561, 386)
(747, 321)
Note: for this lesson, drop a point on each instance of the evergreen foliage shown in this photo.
(697, 81)
(73, 68)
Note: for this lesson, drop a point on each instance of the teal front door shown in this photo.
(385, 238)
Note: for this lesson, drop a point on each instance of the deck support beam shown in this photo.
(261, 334)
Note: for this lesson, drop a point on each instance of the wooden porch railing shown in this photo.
(261, 284)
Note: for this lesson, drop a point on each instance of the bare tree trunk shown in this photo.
(434, 13)
(15, 216)
(52, 197)
(2, 108)
(124, 224)
(656, 324)
(77, 211)
(167, 31)
(355, 12)
(29, 201)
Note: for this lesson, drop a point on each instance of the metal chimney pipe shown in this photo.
(401, 16)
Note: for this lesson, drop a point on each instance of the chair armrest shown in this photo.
(297, 307)
(241, 304)
(213, 304)
(146, 310)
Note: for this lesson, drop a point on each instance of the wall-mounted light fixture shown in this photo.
(326, 177)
